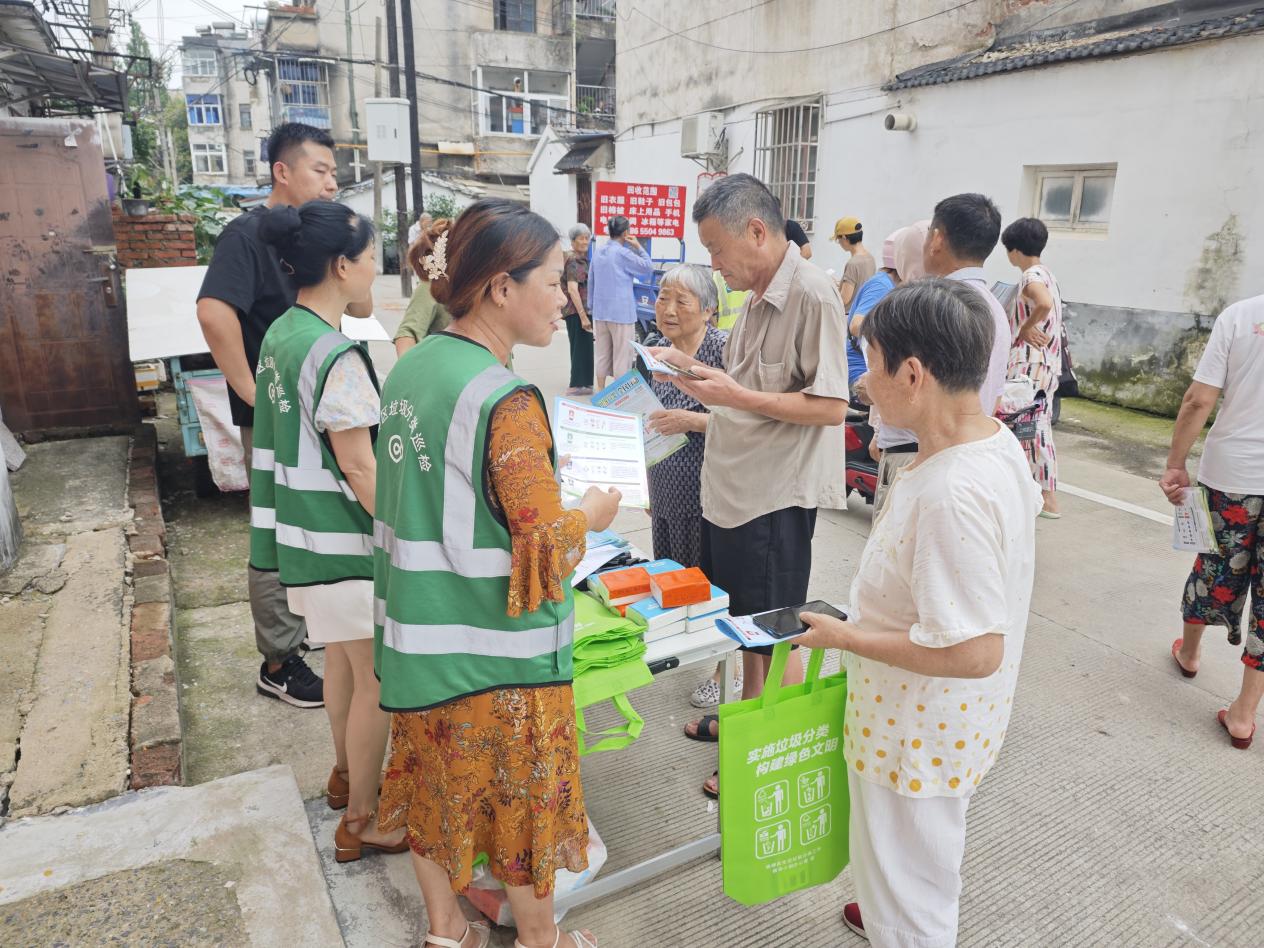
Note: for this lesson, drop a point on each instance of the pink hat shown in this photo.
(888, 251)
(909, 243)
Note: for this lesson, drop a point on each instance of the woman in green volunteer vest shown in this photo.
(312, 480)
(474, 614)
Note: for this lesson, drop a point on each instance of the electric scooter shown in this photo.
(862, 470)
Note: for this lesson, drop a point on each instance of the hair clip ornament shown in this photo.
(436, 264)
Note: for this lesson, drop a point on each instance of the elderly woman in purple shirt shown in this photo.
(611, 300)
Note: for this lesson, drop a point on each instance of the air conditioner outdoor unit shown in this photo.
(700, 135)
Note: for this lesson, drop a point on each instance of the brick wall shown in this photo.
(156, 240)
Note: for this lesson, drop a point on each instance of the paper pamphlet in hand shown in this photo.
(658, 365)
(1191, 526)
(744, 631)
(630, 393)
(605, 449)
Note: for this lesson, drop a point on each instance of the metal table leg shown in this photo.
(603, 886)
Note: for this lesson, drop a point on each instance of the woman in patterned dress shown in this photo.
(483, 769)
(687, 301)
(1036, 323)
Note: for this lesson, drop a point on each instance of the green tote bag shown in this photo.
(784, 804)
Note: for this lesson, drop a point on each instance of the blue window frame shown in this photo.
(203, 109)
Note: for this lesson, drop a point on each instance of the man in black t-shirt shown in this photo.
(795, 232)
(244, 291)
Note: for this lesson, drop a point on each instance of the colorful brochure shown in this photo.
(1191, 525)
(602, 448)
(630, 393)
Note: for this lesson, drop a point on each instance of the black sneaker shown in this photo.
(294, 683)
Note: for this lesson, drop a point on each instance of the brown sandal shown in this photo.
(338, 790)
(348, 846)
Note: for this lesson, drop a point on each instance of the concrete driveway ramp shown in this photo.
(230, 862)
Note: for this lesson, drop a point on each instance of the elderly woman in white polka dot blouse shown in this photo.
(939, 611)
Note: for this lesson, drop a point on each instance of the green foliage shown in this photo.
(205, 205)
(176, 120)
(146, 97)
(441, 205)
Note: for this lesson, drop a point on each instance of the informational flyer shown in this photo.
(630, 393)
(603, 448)
(1191, 526)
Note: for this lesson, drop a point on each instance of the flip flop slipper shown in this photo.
(713, 794)
(1176, 647)
(704, 730)
(1241, 743)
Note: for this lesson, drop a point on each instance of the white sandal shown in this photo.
(481, 928)
(580, 939)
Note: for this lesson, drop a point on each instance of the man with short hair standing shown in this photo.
(244, 292)
(963, 232)
(860, 265)
(612, 299)
(774, 441)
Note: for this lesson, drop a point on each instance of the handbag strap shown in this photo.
(773, 687)
(616, 738)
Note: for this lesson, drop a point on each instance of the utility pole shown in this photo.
(401, 186)
(351, 96)
(377, 165)
(99, 14)
(410, 83)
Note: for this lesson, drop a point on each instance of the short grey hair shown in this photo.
(578, 230)
(696, 279)
(737, 199)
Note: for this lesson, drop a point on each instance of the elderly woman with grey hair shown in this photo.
(579, 327)
(939, 609)
(686, 305)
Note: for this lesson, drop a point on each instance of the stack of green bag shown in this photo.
(609, 654)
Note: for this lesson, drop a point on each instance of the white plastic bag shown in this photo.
(10, 526)
(488, 896)
(1019, 392)
(229, 468)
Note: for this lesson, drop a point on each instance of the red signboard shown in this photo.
(652, 210)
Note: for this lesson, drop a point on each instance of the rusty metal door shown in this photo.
(583, 199)
(63, 326)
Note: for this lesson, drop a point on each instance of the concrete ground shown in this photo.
(226, 863)
(64, 624)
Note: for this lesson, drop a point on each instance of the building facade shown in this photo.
(226, 99)
(1126, 126)
(492, 77)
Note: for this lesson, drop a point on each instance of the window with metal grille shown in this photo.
(199, 61)
(248, 163)
(209, 158)
(515, 15)
(203, 109)
(245, 118)
(304, 88)
(786, 141)
(1074, 197)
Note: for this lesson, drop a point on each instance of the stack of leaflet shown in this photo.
(602, 547)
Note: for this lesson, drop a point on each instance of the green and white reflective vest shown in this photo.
(730, 303)
(441, 557)
(305, 521)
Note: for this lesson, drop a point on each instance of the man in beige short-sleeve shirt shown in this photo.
(775, 445)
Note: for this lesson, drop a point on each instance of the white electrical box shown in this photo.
(386, 121)
(700, 135)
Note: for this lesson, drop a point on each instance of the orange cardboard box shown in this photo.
(621, 587)
(683, 587)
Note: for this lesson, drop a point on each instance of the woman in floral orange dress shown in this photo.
(485, 757)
